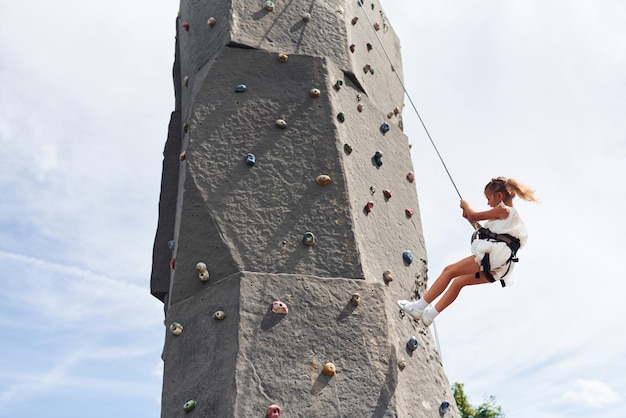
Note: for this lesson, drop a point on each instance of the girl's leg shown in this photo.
(466, 266)
(455, 288)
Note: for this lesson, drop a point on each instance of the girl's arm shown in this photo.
(471, 215)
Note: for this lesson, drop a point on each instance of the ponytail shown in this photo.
(511, 188)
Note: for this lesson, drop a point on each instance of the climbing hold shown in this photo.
(240, 88)
(384, 128)
(219, 315)
(366, 68)
(389, 115)
(176, 328)
(369, 47)
(185, 127)
(306, 17)
(377, 158)
(396, 110)
(186, 81)
(338, 84)
(377, 26)
(387, 194)
(211, 22)
(173, 263)
(372, 70)
(368, 207)
(279, 307)
(401, 363)
(308, 238)
(281, 123)
(203, 273)
(283, 57)
(373, 6)
(273, 411)
(329, 369)
(387, 277)
(186, 26)
(250, 159)
(339, 10)
(356, 299)
(352, 48)
(409, 212)
(347, 148)
(269, 5)
(372, 189)
(182, 156)
(443, 408)
(189, 405)
(341, 117)
(315, 93)
(407, 257)
(412, 344)
(360, 107)
(354, 20)
(358, 97)
(410, 176)
(171, 244)
(322, 179)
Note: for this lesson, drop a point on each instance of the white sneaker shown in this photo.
(426, 319)
(405, 305)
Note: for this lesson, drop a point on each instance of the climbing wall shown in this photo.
(289, 221)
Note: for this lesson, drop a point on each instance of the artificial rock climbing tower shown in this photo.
(288, 219)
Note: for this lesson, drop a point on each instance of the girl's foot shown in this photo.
(410, 309)
(428, 316)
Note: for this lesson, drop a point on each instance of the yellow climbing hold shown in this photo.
(323, 179)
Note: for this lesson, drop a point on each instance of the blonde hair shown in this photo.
(511, 188)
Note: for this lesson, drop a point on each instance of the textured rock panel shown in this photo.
(255, 357)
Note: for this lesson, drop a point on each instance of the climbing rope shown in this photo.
(360, 2)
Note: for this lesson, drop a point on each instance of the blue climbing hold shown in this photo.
(407, 257)
(378, 158)
(171, 245)
(412, 344)
(240, 88)
(443, 408)
(250, 159)
(384, 128)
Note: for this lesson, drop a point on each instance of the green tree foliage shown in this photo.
(487, 409)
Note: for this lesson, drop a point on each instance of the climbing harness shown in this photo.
(510, 241)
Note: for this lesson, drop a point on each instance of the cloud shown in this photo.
(591, 393)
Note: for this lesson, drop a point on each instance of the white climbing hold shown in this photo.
(203, 273)
(176, 328)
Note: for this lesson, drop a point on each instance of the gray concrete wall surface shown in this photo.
(247, 223)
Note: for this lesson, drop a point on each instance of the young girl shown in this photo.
(494, 248)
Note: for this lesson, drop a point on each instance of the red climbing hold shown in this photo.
(186, 26)
(368, 207)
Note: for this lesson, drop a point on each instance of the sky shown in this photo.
(528, 89)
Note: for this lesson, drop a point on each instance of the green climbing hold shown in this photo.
(308, 238)
(189, 405)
